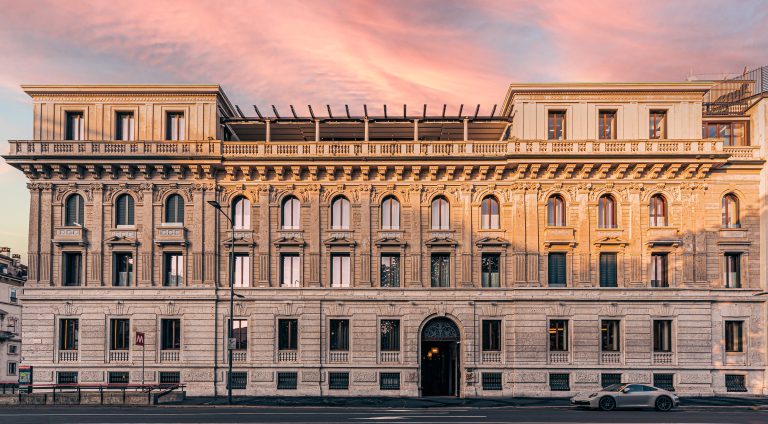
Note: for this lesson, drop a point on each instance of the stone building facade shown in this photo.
(12, 276)
(585, 234)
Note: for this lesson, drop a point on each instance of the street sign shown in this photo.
(232, 343)
(139, 339)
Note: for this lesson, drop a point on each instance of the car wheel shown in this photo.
(607, 403)
(663, 403)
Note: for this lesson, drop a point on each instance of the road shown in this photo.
(300, 415)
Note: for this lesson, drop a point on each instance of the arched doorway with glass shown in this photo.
(440, 353)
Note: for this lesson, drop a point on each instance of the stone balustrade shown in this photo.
(491, 356)
(169, 356)
(338, 356)
(609, 358)
(559, 357)
(388, 357)
(239, 356)
(119, 356)
(68, 356)
(287, 356)
(663, 358)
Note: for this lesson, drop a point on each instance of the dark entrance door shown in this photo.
(440, 358)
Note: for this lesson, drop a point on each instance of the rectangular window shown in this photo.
(491, 380)
(118, 377)
(608, 379)
(662, 336)
(389, 381)
(119, 334)
(73, 269)
(608, 270)
(123, 269)
(124, 126)
(389, 333)
(11, 368)
(735, 383)
(339, 334)
(338, 380)
(66, 377)
(239, 380)
(287, 334)
(556, 273)
(732, 133)
(75, 126)
(734, 336)
(12, 295)
(174, 270)
(664, 381)
(13, 349)
(556, 125)
(240, 333)
(606, 126)
(291, 270)
(440, 270)
(170, 334)
(174, 126)
(491, 335)
(657, 124)
(559, 382)
(68, 333)
(659, 270)
(169, 377)
(610, 335)
(390, 270)
(558, 335)
(490, 269)
(242, 270)
(340, 270)
(732, 271)
(287, 380)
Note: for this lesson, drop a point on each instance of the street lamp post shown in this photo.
(216, 205)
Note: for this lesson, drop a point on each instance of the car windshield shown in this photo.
(613, 388)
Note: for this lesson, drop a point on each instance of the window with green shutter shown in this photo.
(608, 270)
(74, 212)
(556, 270)
(174, 209)
(124, 210)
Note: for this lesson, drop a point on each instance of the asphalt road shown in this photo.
(300, 415)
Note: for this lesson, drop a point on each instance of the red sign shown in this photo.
(139, 339)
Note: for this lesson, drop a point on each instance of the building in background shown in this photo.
(13, 275)
(578, 236)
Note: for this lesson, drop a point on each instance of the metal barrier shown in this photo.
(153, 391)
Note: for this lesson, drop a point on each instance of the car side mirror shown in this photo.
(625, 390)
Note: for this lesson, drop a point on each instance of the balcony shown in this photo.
(338, 356)
(175, 235)
(67, 356)
(559, 358)
(170, 356)
(559, 236)
(5, 335)
(663, 358)
(610, 358)
(287, 355)
(119, 356)
(239, 356)
(69, 235)
(389, 357)
(95, 149)
(491, 357)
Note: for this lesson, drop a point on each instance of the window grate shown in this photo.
(287, 380)
(608, 379)
(491, 381)
(389, 381)
(170, 377)
(338, 380)
(735, 383)
(116, 377)
(664, 381)
(239, 380)
(66, 377)
(560, 382)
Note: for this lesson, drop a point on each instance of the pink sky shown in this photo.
(354, 52)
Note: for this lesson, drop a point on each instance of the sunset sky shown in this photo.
(354, 52)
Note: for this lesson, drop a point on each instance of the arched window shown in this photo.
(731, 211)
(124, 210)
(340, 213)
(440, 214)
(241, 212)
(291, 213)
(74, 215)
(658, 211)
(489, 213)
(606, 212)
(174, 209)
(390, 214)
(556, 211)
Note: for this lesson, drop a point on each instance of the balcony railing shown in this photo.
(491, 356)
(114, 148)
(609, 358)
(389, 357)
(119, 356)
(239, 356)
(169, 356)
(67, 356)
(663, 358)
(338, 356)
(559, 357)
(287, 356)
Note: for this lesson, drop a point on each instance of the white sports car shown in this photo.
(628, 396)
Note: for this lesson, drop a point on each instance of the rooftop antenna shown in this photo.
(493, 111)
(239, 111)
(385, 112)
(293, 111)
(405, 113)
(330, 114)
(311, 112)
(346, 107)
(444, 107)
(365, 110)
(257, 112)
(424, 115)
(461, 109)
(274, 109)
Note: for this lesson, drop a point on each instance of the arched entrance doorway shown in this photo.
(440, 346)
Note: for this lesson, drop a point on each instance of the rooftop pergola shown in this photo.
(331, 126)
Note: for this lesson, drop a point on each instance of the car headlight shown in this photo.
(593, 395)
